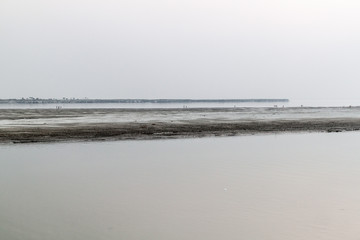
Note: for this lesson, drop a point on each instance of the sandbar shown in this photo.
(58, 125)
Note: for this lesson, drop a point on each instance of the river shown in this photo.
(287, 186)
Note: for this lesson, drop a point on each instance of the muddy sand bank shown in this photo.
(50, 125)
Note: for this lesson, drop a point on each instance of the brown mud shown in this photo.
(156, 128)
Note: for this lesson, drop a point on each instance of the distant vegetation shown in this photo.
(32, 100)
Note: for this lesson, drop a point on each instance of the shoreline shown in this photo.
(50, 125)
(141, 131)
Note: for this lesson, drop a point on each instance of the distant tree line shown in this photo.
(32, 100)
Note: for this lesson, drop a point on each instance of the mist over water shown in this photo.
(288, 186)
(274, 187)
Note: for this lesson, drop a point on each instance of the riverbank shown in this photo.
(53, 125)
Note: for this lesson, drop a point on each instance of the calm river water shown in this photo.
(288, 186)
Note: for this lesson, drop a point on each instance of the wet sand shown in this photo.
(50, 125)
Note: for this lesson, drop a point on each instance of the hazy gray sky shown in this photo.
(180, 48)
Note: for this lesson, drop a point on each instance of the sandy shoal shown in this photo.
(49, 125)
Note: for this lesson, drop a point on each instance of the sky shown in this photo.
(303, 49)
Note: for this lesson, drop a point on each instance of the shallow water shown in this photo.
(289, 186)
(290, 103)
